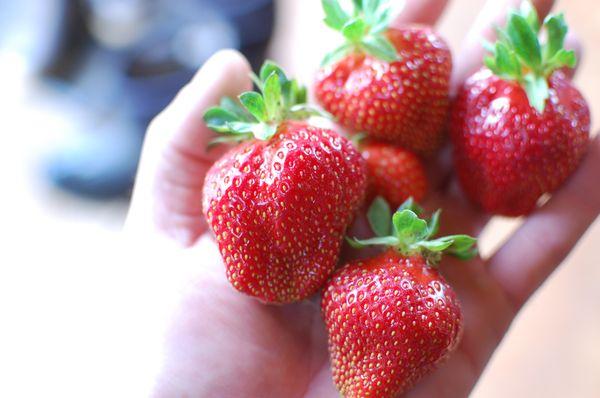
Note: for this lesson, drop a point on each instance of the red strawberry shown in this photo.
(279, 204)
(394, 173)
(392, 318)
(390, 83)
(520, 128)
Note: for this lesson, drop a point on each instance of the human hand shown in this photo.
(224, 344)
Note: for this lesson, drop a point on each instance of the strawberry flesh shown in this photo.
(394, 173)
(391, 319)
(279, 209)
(404, 102)
(507, 154)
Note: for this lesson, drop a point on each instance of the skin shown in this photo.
(220, 343)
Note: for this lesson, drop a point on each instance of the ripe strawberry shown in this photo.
(393, 173)
(391, 83)
(392, 318)
(279, 204)
(520, 127)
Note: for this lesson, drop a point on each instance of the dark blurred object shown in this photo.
(127, 62)
(33, 31)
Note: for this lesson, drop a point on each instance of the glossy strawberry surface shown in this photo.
(279, 209)
(404, 102)
(390, 320)
(394, 173)
(508, 154)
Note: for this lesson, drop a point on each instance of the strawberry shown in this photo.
(391, 83)
(394, 173)
(280, 202)
(519, 127)
(392, 318)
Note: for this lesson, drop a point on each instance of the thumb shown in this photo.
(168, 190)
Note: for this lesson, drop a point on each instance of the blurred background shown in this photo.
(79, 82)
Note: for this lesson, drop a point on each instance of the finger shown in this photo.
(181, 126)
(174, 161)
(425, 12)
(548, 235)
(493, 14)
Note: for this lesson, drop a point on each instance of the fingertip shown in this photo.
(175, 159)
(226, 73)
(229, 67)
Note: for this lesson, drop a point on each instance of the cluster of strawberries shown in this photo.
(280, 202)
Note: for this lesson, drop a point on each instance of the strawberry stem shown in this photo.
(259, 114)
(412, 235)
(520, 56)
(363, 29)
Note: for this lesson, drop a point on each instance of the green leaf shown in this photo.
(301, 95)
(255, 104)
(490, 62)
(530, 14)
(561, 58)
(380, 217)
(466, 254)
(304, 111)
(380, 47)
(537, 91)
(288, 91)
(240, 127)
(507, 64)
(233, 105)
(382, 21)
(436, 245)
(556, 29)
(409, 228)
(263, 131)
(524, 40)
(412, 234)
(259, 115)
(336, 54)
(355, 29)
(293, 93)
(462, 246)
(410, 204)
(502, 36)
(461, 243)
(335, 16)
(217, 119)
(268, 68)
(256, 80)
(272, 96)
(371, 8)
(358, 4)
(433, 225)
(379, 241)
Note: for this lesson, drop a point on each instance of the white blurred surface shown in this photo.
(70, 326)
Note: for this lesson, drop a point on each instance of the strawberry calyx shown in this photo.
(363, 29)
(412, 235)
(259, 114)
(519, 54)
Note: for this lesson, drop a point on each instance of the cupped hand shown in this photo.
(221, 343)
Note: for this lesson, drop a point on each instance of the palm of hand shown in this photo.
(281, 351)
(221, 343)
